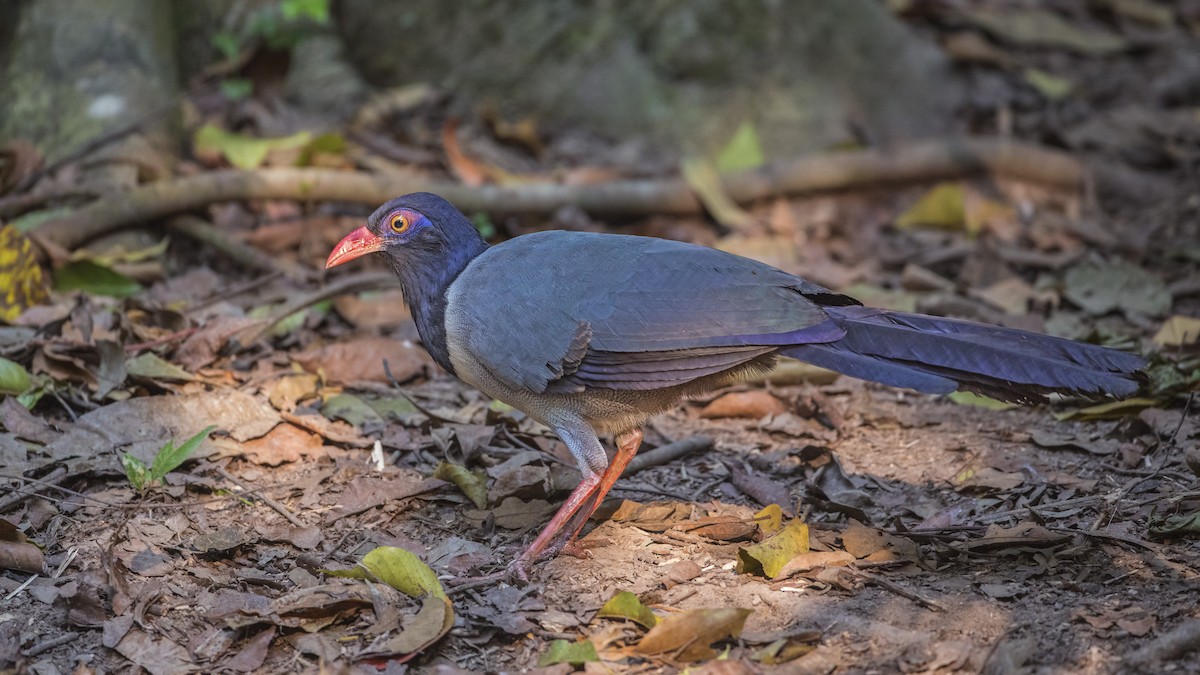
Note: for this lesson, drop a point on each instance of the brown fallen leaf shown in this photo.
(253, 654)
(875, 545)
(652, 517)
(720, 528)
(368, 492)
(202, 347)
(284, 443)
(371, 311)
(306, 538)
(17, 419)
(286, 392)
(141, 426)
(512, 513)
(433, 620)
(17, 552)
(1023, 535)
(688, 636)
(158, 657)
(362, 360)
(753, 404)
(806, 562)
(524, 482)
(987, 477)
(679, 572)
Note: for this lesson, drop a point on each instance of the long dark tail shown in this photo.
(937, 356)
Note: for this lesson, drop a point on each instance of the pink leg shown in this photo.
(580, 496)
(627, 446)
(571, 517)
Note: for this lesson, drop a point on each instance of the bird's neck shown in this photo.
(425, 285)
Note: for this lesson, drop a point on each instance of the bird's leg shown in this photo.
(593, 462)
(579, 497)
(627, 446)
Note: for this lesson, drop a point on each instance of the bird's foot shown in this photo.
(576, 550)
(516, 573)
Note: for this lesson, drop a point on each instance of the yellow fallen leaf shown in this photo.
(770, 519)
(1178, 331)
(20, 275)
(688, 636)
(704, 180)
(625, 605)
(942, 207)
(766, 558)
(472, 483)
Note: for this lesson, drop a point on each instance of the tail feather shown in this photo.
(937, 355)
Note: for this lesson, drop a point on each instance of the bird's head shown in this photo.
(419, 228)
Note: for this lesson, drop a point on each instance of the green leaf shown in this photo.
(170, 457)
(1175, 524)
(972, 399)
(742, 152)
(625, 605)
(1108, 411)
(90, 277)
(236, 88)
(483, 223)
(316, 10)
(398, 568)
(14, 379)
(404, 571)
(244, 152)
(942, 207)
(288, 323)
(1099, 289)
(574, 653)
(703, 179)
(151, 366)
(1053, 87)
(768, 557)
(399, 409)
(227, 43)
(30, 221)
(135, 471)
(472, 483)
(351, 409)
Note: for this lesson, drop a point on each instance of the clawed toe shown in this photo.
(576, 550)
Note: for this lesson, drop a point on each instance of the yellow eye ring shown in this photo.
(399, 223)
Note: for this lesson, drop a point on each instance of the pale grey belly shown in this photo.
(606, 411)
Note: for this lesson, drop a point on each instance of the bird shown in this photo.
(592, 334)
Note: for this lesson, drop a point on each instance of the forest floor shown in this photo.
(946, 534)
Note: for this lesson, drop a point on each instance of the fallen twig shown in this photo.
(924, 161)
(245, 255)
(668, 453)
(47, 645)
(279, 508)
(48, 483)
(365, 281)
(883, 583)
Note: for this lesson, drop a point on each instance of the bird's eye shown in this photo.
(399, 223)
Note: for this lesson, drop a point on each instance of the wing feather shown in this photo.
(569, 311)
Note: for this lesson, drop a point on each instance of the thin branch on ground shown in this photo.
(918, 162)
(249, 489)
(668, 453)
